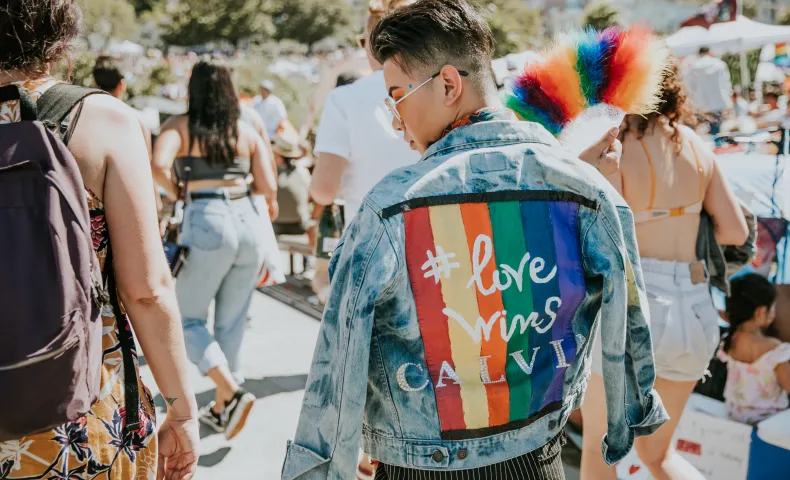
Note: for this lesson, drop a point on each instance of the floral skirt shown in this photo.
(95, 447)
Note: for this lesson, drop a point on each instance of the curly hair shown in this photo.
(36, 33)
(674, 106)
(213, 112)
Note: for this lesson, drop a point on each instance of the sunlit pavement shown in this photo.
(278, 346)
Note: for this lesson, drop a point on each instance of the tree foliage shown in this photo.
(750, 9)
(193, 22)
(309, 21)
(601, 15)
(784, 17)
(108, 19)
(515, 26)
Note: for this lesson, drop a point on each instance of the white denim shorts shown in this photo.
(684, 324)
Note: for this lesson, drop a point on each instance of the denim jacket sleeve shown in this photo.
(328, 435)
(633, 406)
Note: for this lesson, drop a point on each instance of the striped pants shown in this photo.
(544, 463)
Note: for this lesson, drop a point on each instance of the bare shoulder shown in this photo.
(766, 344)
(107, 122)
(105, 128)
(176, 122)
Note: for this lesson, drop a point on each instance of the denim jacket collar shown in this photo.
(490, 134)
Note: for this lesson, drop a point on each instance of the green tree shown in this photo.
(750, 9)
(601, 15)
(309, 21)
(784, 17)
(108, 19)
(194, 22)
(515, 26)
(733, 62)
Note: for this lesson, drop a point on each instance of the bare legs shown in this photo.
(656, 450)
(594, 414)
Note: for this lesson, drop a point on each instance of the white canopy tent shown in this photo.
(733, 37)
(728, 37)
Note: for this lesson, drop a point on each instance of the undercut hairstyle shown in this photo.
(36, 33)
(429, 34)
(106, 74)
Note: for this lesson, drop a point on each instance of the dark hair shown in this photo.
(346, 78)
(704, 50)
(214, 112)
(106, 74)
(673, 105)
(36, 33)
(747, 294)
(429, 34)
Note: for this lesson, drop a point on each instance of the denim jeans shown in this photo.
(224, 261)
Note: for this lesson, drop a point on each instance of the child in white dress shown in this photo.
(758, 367)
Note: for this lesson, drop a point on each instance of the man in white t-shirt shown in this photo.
(708, 79)
(355, 148)
(270, 108)
(356, 145)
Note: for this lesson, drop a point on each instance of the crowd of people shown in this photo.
(722, 108)
(457, 217)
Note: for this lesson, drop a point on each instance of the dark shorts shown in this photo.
(545, 463)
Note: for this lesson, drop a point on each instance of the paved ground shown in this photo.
(278, 346)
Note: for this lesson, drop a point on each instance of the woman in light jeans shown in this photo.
(667, 175)
(212, 154)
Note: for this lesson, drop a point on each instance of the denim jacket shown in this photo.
(464, 302)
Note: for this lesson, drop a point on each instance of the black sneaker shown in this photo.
(217, 421)
(237, 410)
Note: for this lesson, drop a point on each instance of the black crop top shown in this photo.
(203, 170)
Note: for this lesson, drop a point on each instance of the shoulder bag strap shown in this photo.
(126, 339)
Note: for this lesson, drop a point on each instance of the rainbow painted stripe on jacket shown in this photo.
(496, 286)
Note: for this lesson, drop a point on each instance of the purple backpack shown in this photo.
(51, 286)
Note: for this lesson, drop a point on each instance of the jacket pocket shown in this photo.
(299, 461)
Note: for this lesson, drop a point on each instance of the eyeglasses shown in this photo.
(392, 105)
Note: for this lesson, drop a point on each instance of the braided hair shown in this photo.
(747, 294)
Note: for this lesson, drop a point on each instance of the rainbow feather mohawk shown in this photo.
(588, 81)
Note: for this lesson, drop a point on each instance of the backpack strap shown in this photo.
(58, 101)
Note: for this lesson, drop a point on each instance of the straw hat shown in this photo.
(286, 144)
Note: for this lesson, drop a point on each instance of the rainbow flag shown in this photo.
(496, 286)
(781, 55)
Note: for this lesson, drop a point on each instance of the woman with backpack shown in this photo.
(212, 152)
(107, 428)
(668, 176)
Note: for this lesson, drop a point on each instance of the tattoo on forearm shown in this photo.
(170, 401)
